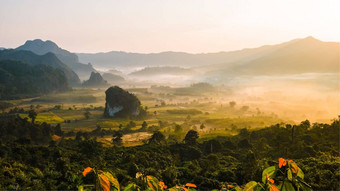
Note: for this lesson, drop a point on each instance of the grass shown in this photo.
(48, 117)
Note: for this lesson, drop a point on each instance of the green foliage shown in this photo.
(35, 163)
(191, 137)
(19, 80)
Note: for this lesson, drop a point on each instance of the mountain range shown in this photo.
(297, 56)
(33, 59)
(40, 47)
(20, 80)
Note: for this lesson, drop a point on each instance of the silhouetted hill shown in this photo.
(113, 78)
(49, 59)
(95, 80)
(19, 80)
(70, 59)
(165, 70)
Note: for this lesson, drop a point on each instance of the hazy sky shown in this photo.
(166, 25)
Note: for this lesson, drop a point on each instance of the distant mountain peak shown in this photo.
(39, 46)
(310, 39)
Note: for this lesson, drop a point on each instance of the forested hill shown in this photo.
(20, 80)
(70, 59)
(32, 59)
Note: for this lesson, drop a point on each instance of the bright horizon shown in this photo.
(181, 26)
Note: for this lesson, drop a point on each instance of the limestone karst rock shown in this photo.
(95, 80)
(120, 103)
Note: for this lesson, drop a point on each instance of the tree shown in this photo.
(232, 104)
(57, 130)
(202, 126)
(117, 138)
(156, 138)
(191, 137)
(32, 114)
(144, 125)
(87, 114)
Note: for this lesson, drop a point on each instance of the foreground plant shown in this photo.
(103, 181)
(286, 176)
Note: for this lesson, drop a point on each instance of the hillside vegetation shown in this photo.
(19, 80)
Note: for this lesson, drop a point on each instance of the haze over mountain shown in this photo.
(113, 78)
(32, 59)
(70, 59)
(162, 70)
(299, 55)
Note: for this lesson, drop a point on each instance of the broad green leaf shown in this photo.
(300, 174)
(286, 186)
(192, 189)
(131, 187)
(250, 186)
(237, 188)
(271, 171)
(289, 175)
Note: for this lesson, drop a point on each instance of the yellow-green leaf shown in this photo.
(271, 171)
(286, 186)
(289, 175)
(250, 186)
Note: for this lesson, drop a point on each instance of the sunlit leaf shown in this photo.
(293, 166)
(191, 185)
(289, 175)
(112, 180)
(281, 160)
(132, 187)
(86, 171)
(271, 171)
(104, 182)
(153, 183)
(300, 174)
(80, 188)
(272, 187)
(250, 186)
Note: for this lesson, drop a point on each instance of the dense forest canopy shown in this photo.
(209, 164)
(19, 80)
(32, 59)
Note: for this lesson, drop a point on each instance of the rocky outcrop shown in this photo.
(96, 80)
(120, 103)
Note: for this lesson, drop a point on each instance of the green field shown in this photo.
(190, 112)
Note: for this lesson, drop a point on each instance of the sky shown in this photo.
(145, 26)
